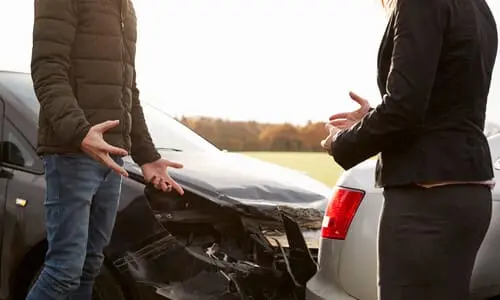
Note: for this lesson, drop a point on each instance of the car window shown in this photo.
(16, 151)
(168, 133)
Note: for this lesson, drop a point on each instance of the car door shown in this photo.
(4, 176)
(22, 196)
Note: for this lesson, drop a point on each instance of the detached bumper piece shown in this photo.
(201, 250)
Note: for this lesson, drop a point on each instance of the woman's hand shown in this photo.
(326, 144)
(347, 119)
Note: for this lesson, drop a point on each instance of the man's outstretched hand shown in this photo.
(96, 147)
(157, 174)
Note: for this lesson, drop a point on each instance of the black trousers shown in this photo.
(428, 240)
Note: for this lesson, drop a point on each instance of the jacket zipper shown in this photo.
(125, 125)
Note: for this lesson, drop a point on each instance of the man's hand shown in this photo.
(97, 148)
(347, 119)
(326, 144)
(156, 173)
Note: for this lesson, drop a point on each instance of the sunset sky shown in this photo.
(264, 60)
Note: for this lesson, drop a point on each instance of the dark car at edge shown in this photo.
(239, 232)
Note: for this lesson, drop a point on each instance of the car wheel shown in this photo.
(106, 286)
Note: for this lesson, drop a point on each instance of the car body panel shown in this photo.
(349, 267)
(360, 246)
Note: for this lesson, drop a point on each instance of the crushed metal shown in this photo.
(212, 251)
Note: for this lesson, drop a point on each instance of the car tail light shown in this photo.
(340, 212)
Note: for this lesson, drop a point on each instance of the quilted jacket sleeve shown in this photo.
(143, 149)
(53, 35)
(419, 27)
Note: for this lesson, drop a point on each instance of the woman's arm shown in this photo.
(419, 27)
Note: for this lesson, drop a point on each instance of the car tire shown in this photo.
(106, 286)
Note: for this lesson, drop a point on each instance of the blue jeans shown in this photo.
(81, 203)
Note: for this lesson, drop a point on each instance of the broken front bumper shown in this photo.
(164, 248)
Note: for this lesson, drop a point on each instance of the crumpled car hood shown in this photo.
(245, 179)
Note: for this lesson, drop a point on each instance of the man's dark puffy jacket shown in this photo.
(83, 72)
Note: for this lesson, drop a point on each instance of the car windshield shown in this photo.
(167, 133)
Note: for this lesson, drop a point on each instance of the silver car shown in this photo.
(348, 245)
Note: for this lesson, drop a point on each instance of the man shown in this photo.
(90, 116)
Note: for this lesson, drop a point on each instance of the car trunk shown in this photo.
(349, 264)
(357, 268)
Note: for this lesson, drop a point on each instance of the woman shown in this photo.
(434, 70)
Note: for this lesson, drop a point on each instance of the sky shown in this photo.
(264, 60)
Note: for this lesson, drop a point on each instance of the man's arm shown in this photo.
(53, 35)
(418, 37)
(143, 149)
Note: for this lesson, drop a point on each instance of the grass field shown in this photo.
(316, 164)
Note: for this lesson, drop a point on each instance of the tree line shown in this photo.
(255, 136)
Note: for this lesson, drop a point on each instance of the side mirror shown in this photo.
(10, 153)
(496, 165)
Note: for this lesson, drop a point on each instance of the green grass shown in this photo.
(316, 164)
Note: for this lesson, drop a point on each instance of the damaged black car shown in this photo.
(244, 229)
